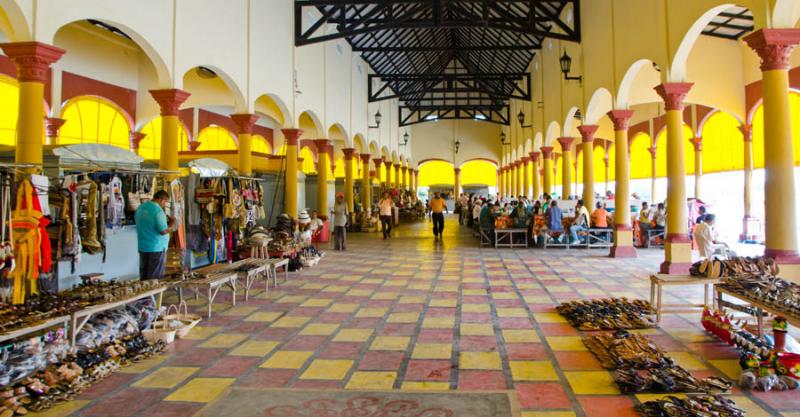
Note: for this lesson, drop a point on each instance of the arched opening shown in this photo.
(723, 148)
(436, 173)
(9, 110)
(94, 120)
(216, 138)
(758, 130)
(641, 164)
(309, 163)
(478, 173)
(150, 146)
(261, 145)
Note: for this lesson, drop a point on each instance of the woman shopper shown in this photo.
(385, 207)
(340, 216)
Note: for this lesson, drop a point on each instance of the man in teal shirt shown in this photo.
(152, 232)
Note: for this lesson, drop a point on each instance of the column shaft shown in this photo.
(547, 156)
(324, 150)
(587, 142)
(623, 235)
(291, 137)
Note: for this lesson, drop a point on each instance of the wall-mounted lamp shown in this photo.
(378, 118)
(405, 139)
(521, 118)
(456, 145)
(566, 65)
(503, 139)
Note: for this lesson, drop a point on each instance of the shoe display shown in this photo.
(608, 314)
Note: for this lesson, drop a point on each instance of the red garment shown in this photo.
(45, 251)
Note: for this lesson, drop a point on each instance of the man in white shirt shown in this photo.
(706, 238)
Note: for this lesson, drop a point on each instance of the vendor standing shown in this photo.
(152, 233)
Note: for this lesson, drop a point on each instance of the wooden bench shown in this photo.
(659, 281)
(654, 234)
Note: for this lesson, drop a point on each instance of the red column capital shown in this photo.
(244, 122)
(457, 171)
(378, 162)
(535, 156)
(747, 132)
(673, 94)
(653, 151)
(404, 169)
(169, 100)
(620, 118)
(324, 146)
(291, 136)
(547, 152)
(194, 144)
(135, 138)
(32, 59)
(364, 157)
(773, 46)
(526, 160)
(396, 166)
(587, 132)
(348, 153)
(52, 125)
(566, 143)
(697, 142)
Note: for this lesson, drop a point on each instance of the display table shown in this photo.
(277, 263)
(81, 317)
(659, 281)
(259, 268)
(756, 308)
(504, 238)
(60, 321)
(215, 276)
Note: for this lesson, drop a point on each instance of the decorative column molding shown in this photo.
(52, 125)
(169, 100)
(32, 59)
(244, 122)
(773, 46)
(587, 150)
(134, 139)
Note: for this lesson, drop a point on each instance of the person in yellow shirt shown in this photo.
(437, 214)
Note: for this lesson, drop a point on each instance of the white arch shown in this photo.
(267, 104)
(785, 14)
(680, 60)
(15, 26)
(337, 131)
(569, 122)
(528, 145)
(538, 141)
(625, 86)
(359, 143)
(553, 132)
(240, 104)
(316, 125)
(600, 104)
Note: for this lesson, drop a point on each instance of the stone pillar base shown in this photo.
(678, 255)
(623, 243)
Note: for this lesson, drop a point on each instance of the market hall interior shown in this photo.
(286, 131)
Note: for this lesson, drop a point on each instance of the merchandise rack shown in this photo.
(81, 317)
(757, 308)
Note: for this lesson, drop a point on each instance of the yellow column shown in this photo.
(245, 122)
(526, 173)
(500, 181)
(291, 138)
(52, 125)
(653, 171)
(324, 150)
(514, 179)
(520, 178)
(32, 59)
(366, 183)
(169, 100)
(698, 165)
(587, 143)
(535, 174)
(677, 249)
(388, 166)
(404, 177)
(747, 136)
(507, 181)
(349, 196)
(566, 166)
(396, 179)
(547, 155)
(775, 46)
(623, 235)
(457, 185)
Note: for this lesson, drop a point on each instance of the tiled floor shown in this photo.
(411, 313)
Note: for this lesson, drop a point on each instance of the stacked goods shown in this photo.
(608, 314)
(736, 267)
(667, 379)
(626, 350)
(734, 333)
(36, 309)
(100, 292)
(771, 291)
(24, 357)
(693, 406)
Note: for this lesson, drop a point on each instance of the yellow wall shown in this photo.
(216, 138)
(478, 172)
(758, 131)
(93, 120)
(150, 146)
(309, 165)
(436, 173)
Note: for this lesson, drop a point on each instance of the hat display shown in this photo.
(303, 218)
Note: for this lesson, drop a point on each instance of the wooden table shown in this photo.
(209, 286)
(81, 317)
(60, 321)
(756, 308)
(504, 238)
(277, 263)
(659, 281)
(258, 268)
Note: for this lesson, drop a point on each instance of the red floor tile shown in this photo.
(231, 366)
(276, 333)
(478, 343)
(481, 380)
(542, 395)
(267, 378)
(172, 409)
(398, 329)
(125, 403)
(408, 308)
(605, 406)
(435, 335)
(314, 384)
(515, 323)
(428, 370)
(476, 317)
(329, 317)
(577, 361)
(364, 323)
(111, 383)
(381, 361)
(558, 329)
(526, 351)
(305, 343)
(197, 357)
(339, 350)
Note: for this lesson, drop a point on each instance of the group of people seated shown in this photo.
(650, 221)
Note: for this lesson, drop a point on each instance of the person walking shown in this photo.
(152, 235)
(437, 214)
(385, 207)
(340, 216)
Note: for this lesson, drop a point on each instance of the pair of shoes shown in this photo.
(575, 242)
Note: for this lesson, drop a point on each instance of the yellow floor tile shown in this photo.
(576, 280)
(476, 308)
(432, 351)
(62, 410)
(166, 377)
(537, 299)
(291, 322)
(201, 390)
(420, 287)
(528, 286)
(479, 360)
(425, 386)
(592, 383)
(751, 409)
(319, 329)
(372, 281)
(353, 335)
(505, 296)
(313, 286)
(334, 369)
(566, 343)
(686, 360)
(548, 318)
(336, 288)
(372, 380)
(239, 311)
(384, 296)
(258, 348)
(643, 398)
(359, 293)
(143, 366)
(287, 359)
(372, 312)
(412, 299)
(443, 302)
(473, 291)
(548, 414)
(512, 312)
(520, 336)
(438, 322)
(410, 317)
(342, 308)
(316, 302)
(476, 329)
(390, 343)
(263, 316)
(224, 340)
(729, 367)
(202, 332)
(533, 371)
(291, 299)
(475, 281)
(590, 291)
